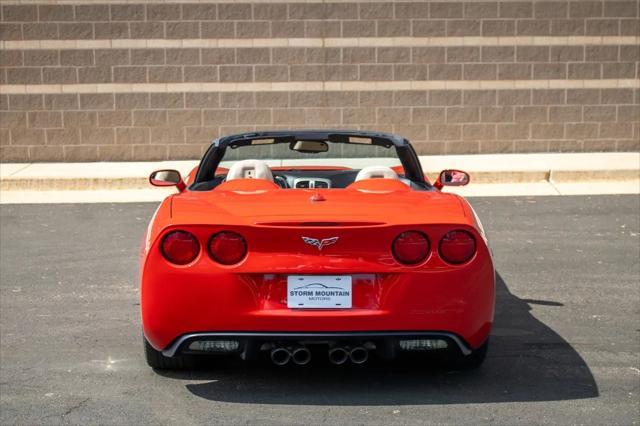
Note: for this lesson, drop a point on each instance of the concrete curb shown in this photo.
(484, 169)
(72, 184)
(480, 177)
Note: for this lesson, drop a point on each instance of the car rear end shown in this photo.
(348, 288)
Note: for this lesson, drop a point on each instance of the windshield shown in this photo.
(295, 152)
(350, 155)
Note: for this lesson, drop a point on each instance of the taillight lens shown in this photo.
(180, 247)
(411, 247)
(227, 247)
(457, 247)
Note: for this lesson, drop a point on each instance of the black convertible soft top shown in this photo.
(404, 150)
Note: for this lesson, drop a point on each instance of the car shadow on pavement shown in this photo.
(527, 361)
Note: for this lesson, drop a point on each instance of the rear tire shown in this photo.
(472, 361)
(157, 361)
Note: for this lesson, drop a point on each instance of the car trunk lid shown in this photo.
(329, 208)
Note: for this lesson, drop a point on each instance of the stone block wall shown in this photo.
(154, 80)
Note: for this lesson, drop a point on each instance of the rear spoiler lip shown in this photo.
(321, 224)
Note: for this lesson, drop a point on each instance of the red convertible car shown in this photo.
(301, 244)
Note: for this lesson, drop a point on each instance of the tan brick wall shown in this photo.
(87, 81)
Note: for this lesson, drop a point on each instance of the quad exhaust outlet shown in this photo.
(300, 355)
(359, 355)
(340, 354)
(280, 356)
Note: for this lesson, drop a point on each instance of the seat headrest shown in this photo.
(376, 172)
(250, 169)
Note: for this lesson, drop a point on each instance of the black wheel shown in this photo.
(156, 360)
(472, 361)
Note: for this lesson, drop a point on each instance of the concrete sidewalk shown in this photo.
(491, 175)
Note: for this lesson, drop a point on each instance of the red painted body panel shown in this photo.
(251, 296)
(249, 201)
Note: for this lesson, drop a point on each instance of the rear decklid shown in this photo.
(298, 207)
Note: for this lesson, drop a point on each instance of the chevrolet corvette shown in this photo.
(294, 245)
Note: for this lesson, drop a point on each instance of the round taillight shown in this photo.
(227, 247)
(180, 247)
(410, 247)
(457, 247)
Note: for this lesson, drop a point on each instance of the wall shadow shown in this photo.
(527, 361)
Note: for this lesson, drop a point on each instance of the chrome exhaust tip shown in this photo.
(280, 356)
(359, 355)
(338, 355)
(301, 355)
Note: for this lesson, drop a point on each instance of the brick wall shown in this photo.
(87, 81)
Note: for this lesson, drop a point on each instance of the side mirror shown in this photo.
(452, 178)
(167, 178)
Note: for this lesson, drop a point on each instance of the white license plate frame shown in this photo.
(319, 291)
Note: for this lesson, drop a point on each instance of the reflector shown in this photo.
(423, 344)
(215, 345)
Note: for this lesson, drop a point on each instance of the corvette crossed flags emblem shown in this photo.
(320, 244)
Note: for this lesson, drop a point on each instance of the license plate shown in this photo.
(319, 291)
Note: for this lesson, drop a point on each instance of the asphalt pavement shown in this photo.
(565, 346)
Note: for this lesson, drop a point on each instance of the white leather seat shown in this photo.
(376, 172)
(250, 169)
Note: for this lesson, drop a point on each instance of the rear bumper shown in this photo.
(226, 303)
(386, 297)
(385, 342)
(435, 302)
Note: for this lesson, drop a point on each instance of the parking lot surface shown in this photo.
(565, 346)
